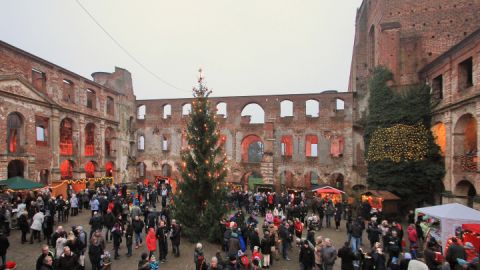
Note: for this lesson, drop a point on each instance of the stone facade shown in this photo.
(426, 41)
(455, 81)
(36, 96)
(279, 168)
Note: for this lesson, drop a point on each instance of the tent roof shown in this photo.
(386, 195)
(327, 189)
(451, 211)
(19, 183)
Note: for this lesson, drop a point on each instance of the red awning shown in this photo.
(328, 189)
(475, 228)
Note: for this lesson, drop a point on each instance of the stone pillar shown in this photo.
(100, 147)
(55, 138)
(449, 153)
(80, 153)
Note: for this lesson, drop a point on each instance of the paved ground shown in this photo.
(25, 255)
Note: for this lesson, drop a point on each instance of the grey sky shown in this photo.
(245, 47)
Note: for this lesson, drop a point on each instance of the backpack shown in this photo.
(201, 262)
(245, 261)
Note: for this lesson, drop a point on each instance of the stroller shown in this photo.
(313, 221)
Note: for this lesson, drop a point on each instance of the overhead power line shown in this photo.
(144, 67)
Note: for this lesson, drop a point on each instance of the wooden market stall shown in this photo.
(382, 200)
(60, 187)
(329, 193)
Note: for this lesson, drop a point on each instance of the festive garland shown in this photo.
(85, 180)
(399, 143)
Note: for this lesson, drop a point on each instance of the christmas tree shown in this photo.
(402, 156)
(201, 199)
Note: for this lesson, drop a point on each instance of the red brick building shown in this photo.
(275, 141)
(59, 125)
(418, 41)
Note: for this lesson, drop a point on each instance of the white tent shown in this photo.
(451, 216)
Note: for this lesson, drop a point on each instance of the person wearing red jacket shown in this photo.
(298, 228)
(413, 239)
(151, 241)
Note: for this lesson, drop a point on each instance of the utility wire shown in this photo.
(127, 52)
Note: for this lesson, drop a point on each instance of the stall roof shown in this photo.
(451, 211)
(327, 189)
(386, 195)
(20, 183)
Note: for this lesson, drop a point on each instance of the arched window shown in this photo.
(14, 133)
(167, 111)
(186, 109)
(109, 142)
(287, 146)
(312, 108)
(68, 91)
(91, 99)
(90, 169)
(141, 143)
(371, 47)
(311, 145)
(286, 108)
(339, 104)
(253, 114)
(90, 139)
(41, 130)
(66, 137)
(222, 110)
(110, 106)
(66, 170)
(439, 133)
(165, 143)
(166, 170)
(141, 169)
(109, 168)
(141, 112)
(252, 149)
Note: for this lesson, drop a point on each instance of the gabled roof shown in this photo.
(32, 92)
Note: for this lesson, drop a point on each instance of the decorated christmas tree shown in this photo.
(201, 198)
(401, 154)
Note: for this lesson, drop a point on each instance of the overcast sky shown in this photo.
(246, 47)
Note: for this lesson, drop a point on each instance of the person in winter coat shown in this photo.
(347, 257)
(254, 239)
(48, 226)
(117, 233)
(175, 237)
(151, 241)
(266, 247)
(329, 255)
(318, 252)
(23, 225)
(161, 235)
(306, 257)
(379, 259)
(138, 225)
(36, 225)
(95, 252)
(96, 223)
(455, 251)
(373, 232)
(129, 238)
(4, 244)
(199, 258)
(144, 264)
(74, 205)
(298, 228)
(214, 265)
(45, 252)
(413, 239)
(60, 243)
(109, 221)
(68, 260)
(338, 216)
(47, 263)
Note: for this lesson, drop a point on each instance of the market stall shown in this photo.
(381, 201)
(472, 234)
(329, 193)
(444, 220)
(19, 183)
(60, 187)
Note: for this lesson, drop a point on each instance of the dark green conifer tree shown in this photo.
(201, 196)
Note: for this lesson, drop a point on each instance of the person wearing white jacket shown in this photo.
(36, 227)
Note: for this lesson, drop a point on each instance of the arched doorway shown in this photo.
(109, 168)
(287, 179)
(337, 180)
(251, 179)
(465, 190)
(90, 169)
(166, 170)
(15, 168)
(66, 137)
(465, 143)
(44, 176)
(66, 170)
(15, 133)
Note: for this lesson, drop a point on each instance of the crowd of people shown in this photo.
(262, 228)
